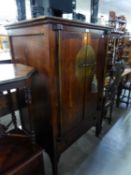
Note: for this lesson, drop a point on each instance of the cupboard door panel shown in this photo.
(91, 83)
(29, 50)
(72, 57)
(93, 86)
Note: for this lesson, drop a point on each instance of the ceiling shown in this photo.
(122, 7)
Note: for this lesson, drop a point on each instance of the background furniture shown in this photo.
(124, 89)
(18, 156)
(18, 77)
(117, 22)
(71, 66)
(115, 48)
(126, 54)
(126, 95)
(110, 90)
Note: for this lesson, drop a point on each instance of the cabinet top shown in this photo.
(55, 20)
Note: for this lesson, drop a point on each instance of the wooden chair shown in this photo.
(18, 156)
(110, 91)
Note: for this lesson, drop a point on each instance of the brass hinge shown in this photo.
(58, 27)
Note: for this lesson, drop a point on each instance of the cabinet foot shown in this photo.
(98, 130)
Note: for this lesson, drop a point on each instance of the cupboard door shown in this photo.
(91, 79)
(72, 61)
(93, 83)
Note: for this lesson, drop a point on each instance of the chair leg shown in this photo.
(124, 92)
(110, 114)
(128, 100)
(10, 103)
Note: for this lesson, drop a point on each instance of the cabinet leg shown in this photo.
(54, 161)
(55, 168)
(54, 157)
(98, 130)
(110, 114)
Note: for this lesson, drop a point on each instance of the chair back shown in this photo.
(115, 78)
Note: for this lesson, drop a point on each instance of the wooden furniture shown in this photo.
(18, 156)
(71, 67)
(126, 95)
(18, 152)
(126, 54)
(115, 48)
(110, 91)
(18, 77)
(118, 23)
(124, 88)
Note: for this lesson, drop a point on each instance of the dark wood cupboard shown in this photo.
(70, 59)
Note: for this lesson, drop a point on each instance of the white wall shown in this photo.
(7, 10)
(122, 7)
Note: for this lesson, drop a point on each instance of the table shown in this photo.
(17, 76)
(26, 157)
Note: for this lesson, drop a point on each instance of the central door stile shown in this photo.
(58, 29)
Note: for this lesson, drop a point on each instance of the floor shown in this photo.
(110, 154)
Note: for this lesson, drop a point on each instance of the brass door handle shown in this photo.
(83, 65)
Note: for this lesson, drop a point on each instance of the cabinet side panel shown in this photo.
(36, 47)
